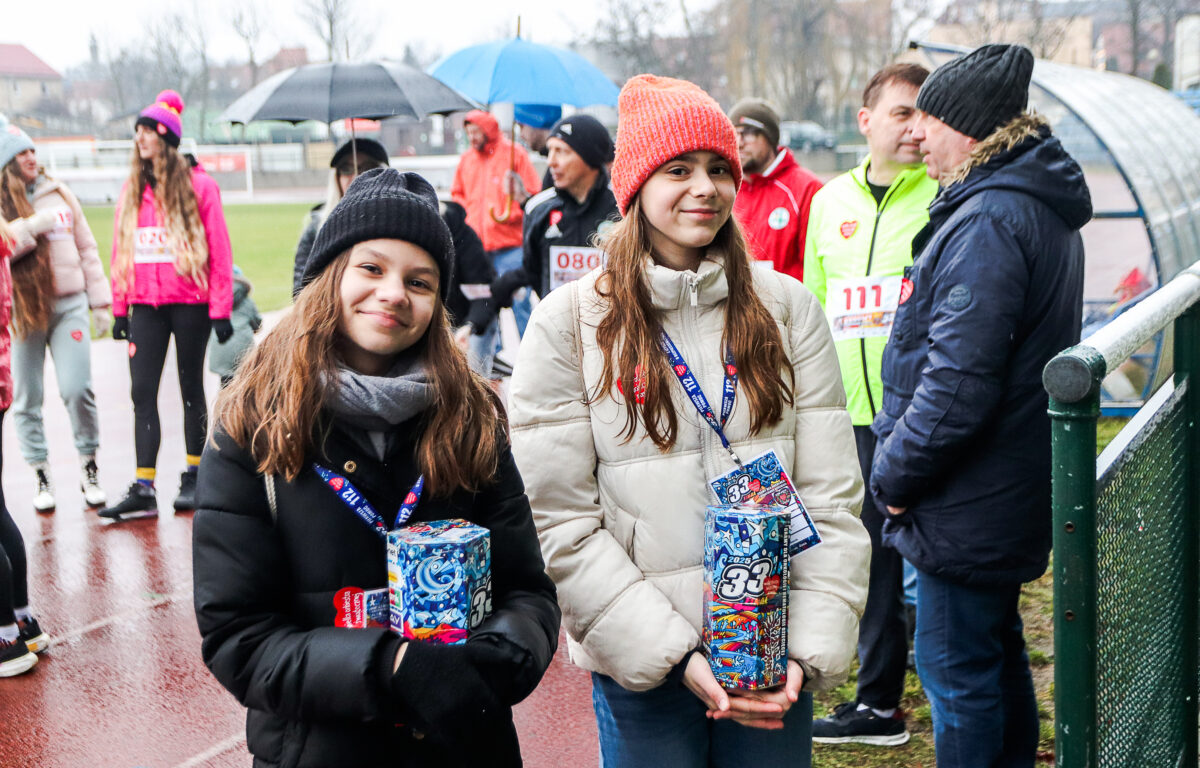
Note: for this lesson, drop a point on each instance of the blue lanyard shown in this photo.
(690, 385)
(361, 507)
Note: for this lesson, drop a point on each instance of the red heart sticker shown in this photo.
(680, 370)
(730, 370)
(411, 498)
(848, 228)
(77, 335)
(555, 217)
(132, 349)
(162, 130)
(906, 289)
(349, 608)
(336, 483)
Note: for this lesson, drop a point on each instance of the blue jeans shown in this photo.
(971, 659)
(506, 260)
(665, 727)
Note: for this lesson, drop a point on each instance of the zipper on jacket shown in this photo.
(693, 291)
(862, 343)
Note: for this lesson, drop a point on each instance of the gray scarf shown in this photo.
(377, 403)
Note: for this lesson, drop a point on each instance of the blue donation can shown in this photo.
(746, 594)
(439, 580)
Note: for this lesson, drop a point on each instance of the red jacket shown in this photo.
(479, 185)
(772, 209)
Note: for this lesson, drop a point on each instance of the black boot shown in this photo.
(186, 500)
(139, 501)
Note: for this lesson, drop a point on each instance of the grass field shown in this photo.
(264, 245)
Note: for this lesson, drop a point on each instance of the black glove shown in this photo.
(439, 689)
(480, 315)
(504, 286)
(223, 328)
(120, 328)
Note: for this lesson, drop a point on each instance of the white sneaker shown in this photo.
(43, 500)
(93, 494)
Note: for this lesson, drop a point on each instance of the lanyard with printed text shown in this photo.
(692, 387)
(361, 507)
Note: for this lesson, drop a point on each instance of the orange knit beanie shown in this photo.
(659, 118)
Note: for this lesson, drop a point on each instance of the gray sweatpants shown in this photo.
(70, 341)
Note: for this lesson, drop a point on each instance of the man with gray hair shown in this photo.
(962, 463)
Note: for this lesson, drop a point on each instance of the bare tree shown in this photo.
(336, 24)
(248, 25)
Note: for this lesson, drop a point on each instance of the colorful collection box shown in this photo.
(439, 580)
(746, 594)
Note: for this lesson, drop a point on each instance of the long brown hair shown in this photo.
(272, 408)
(32, 276)
(628, 334)
(175, 201)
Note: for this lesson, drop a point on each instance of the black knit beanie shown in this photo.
(587, 136)
(977, 93)
(366, 148)
(757, 114)
(384, 203)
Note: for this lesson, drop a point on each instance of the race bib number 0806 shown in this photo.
(569, 263)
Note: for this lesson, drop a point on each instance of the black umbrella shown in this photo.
(336, 91)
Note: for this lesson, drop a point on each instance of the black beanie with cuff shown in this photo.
(384, 203)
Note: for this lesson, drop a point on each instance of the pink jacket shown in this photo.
(6, 379)
(155, 281)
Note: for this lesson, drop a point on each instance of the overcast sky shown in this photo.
(58, 30)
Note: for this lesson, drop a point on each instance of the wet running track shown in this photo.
(122, 684)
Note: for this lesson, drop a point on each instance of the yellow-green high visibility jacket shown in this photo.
(849, 237)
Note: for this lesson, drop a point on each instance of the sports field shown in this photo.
(264, 245)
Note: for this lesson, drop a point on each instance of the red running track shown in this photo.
(123, 685)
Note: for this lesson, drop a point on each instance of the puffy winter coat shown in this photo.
(772, 208)
(325, 696)
(851, 236)
(73, 253)
(223, 359)
(155, 281)
(997, 290)
(479, 184)
(622, 523)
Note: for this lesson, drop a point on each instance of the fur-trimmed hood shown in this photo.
(1022, 155)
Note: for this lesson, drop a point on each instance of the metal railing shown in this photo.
(1126, 529)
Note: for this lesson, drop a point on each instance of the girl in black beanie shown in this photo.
(363, 386)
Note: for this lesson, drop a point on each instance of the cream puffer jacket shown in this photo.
(621, 524)
(73, 253)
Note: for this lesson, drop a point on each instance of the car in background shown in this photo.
(806, 136)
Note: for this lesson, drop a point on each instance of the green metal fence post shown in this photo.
(1073, 440)
(1187, 369)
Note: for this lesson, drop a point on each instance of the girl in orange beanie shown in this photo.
(618, 444)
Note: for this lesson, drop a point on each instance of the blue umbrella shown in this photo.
(523, 72)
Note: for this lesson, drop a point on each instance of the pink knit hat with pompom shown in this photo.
(163, 117)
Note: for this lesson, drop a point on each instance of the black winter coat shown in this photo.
(471, 267)
(320, 696)
(577, 223)
(997, 290)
